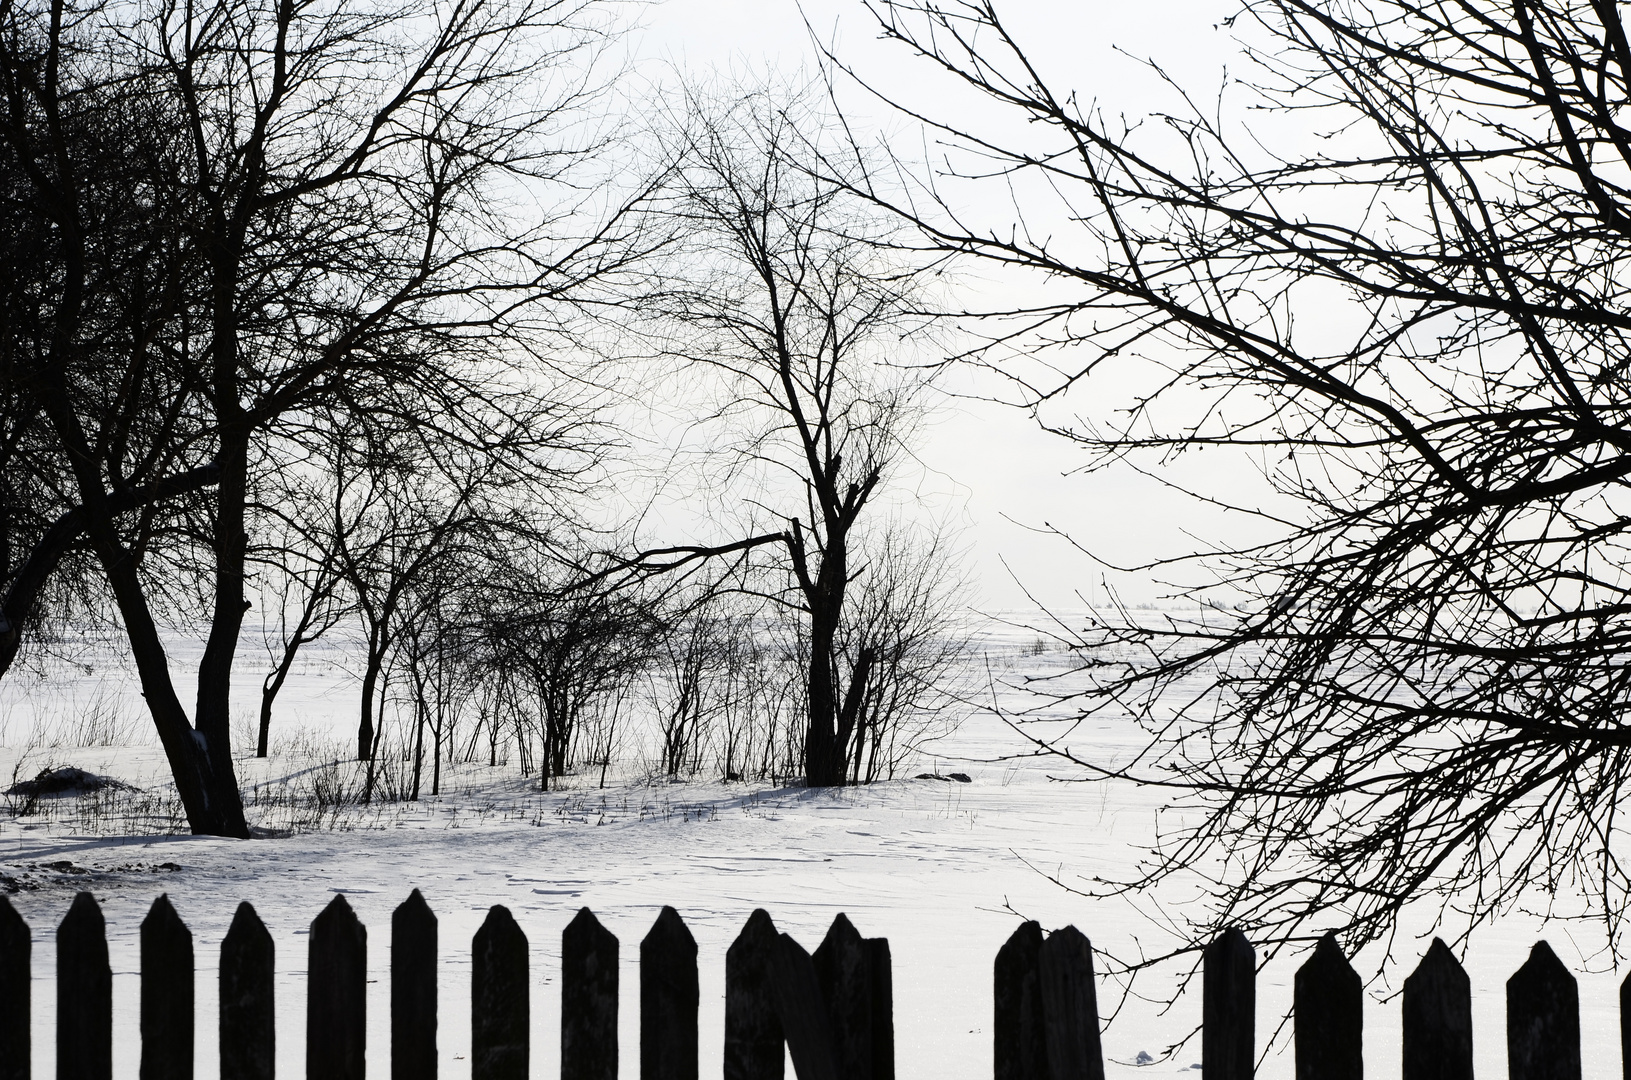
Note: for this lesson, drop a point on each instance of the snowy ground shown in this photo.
(944, 870)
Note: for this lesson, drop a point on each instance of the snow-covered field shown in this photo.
(944, 870)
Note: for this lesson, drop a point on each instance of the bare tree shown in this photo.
(304, 604)
(338, 186)
(693, 661)
(407, 514)
(911, 616)
(1416, 687)
(783, 291)
(297, 555)
(568, 650)
(440, 649)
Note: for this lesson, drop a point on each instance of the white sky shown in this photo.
(1011, 477)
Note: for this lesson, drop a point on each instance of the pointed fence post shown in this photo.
(883, 1009)
(1019, 1032)
(500, 1045)
(167, 994)
(16, 947)
(803, 1014)
(1228, 1007)
(1437, 1018)
(413, 990)
(336, 995)
(668, 1000)
(753, 1032)
(1070, 1007)
(84, 994)
(1625, 1027)
(1542, 1019)
(588, 1000)
(843, 966)
(248, 1032)
(1328, 1011)
(858, 987)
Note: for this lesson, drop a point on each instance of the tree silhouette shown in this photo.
(329, 229)
(1416, 324)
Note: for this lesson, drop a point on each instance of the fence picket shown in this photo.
(1070, 1006)
(16, 974)
(1625, 1028)
(1328, 1008)
(413, 990)
(84, 994)
(1228, 1007)
(500, 1041)
(1019, 1032)
(753, 1032)
(1542, 1019)
(248, 1032)
(668, 1000)
(843, 967)
(883, 1009)
(588, 1000)
(167, 994)
(336, 995)
(803, 1013)
(1437, 1018)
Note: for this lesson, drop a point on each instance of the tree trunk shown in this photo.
(823, 754)
(370, 678)
(269, 689)
(373, 750)
(212, 718)
(418, 738)
(823, 763)
(845, 741)
(197, 758)
(436, 753)
(210, 799)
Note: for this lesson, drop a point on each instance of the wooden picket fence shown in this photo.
(831, 1011)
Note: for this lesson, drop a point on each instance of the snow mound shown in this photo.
(64, 781)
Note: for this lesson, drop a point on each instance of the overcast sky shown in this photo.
(1009, 477)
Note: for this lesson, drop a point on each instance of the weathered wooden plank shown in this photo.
(883, 1009)
(588, 1000)
(668, 1000)
(1228, 1007)
(500, 1005)
(1328, 1011)
(1070, 1007)
(167, 994)
(1542, 1019)
(16, 994)
(843, 967)
(413, 990)
(84, 994)
(803, 1013)
(1019, 1048)
(1437, 1029)
(753, 1031)
(248, 1034)
(336, 995)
